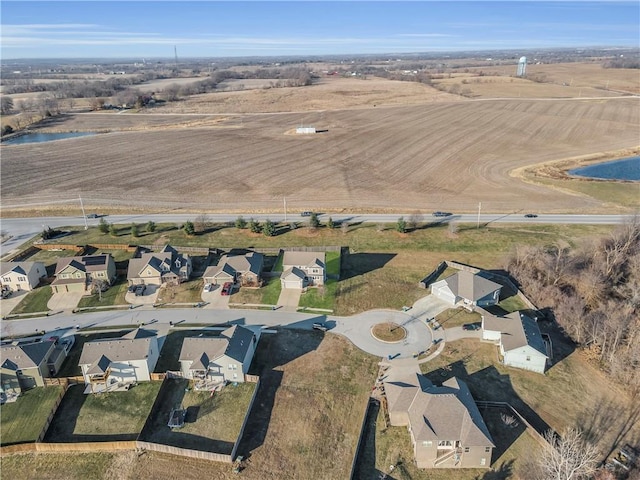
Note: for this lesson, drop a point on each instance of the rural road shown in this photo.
(22, 229)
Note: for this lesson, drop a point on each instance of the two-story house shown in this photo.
(157, 268)
(17, 276)
(77, 274)
(25, 365)
(446, 428)
(211, 361)
(236, 268)
(303, 269)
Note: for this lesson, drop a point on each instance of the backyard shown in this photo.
(23, 420)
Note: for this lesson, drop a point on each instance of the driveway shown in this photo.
(289, 299)
(457, 333)
(11, 302)
(64, 301)
(428, 307)
(214, 299)
(149, 297)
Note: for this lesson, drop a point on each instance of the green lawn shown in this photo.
(332, 262)
(320, 297)
(512, 304)
(278, 266)
(113, 296)
(102, 417)
(268, 294)
(186, 292)
(455, 317)
(34, 301)
(23, 420)
(212, 422)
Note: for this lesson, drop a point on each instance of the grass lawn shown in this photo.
(332, 262)
(58, 466)
(278, 266)
(455, 317)
(113, 296)
(23, 420)
(265, 295)
(186, 292)
(70, 366)
(512, 304)
(50, 257)
(320, 297)
(212, 423)
(34, 301)
(102, 417)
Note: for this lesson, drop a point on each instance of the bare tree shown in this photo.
(344, 226)
(202, 223)
(6, 105)
(568, 457)
(414, 220)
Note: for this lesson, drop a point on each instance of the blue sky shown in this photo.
(150, 29)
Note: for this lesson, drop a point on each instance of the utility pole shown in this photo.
(479, 206)
(86, 225)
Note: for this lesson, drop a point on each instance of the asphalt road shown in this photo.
(22, 229)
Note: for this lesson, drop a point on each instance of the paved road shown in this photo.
(22, 229)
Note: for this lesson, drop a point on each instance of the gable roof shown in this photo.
(86, 263)
(304, 259)
(519, 331)
(166, 262)
(30, 355)
(447, 412)
(21, 268)
(294, 272)
(127, 348)
(470, 286)
(100, 366)
(234, 342)
(231, 264)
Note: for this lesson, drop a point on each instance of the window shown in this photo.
(466, 450)
(427, 443)
(235, 375)
(487, 449)
(6, 279)
(528, 358)
(445, 443)
(483, 461)
(22, 279)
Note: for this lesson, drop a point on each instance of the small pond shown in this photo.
(43, 137)
(625, 169)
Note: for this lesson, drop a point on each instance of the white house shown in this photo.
(113, 361)
(210, 361)
(303, 269)
(519, 339)
(21, 275)
(467, 288)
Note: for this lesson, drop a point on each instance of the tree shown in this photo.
(567, 457)
(401, 226)
(6, 105)
(331, 224)
(269, 229)
(6, 130)
(313, 220)
(103, 226)
(135, 231)
(241, 223)
(151, 226)
(189, 228)
(254, 226)
(344, 227)
(202, 223)
(98, 286)
(414, 220)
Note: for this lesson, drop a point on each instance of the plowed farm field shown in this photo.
(436, 155)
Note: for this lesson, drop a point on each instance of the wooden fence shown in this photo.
(52, 413)
(246, 419)
(183, 452)
(19, 256)
(251, 378)
(60, 246)
(157, 376)
(87, 446)
(534, 433)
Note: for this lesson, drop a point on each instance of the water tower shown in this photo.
(522, 67)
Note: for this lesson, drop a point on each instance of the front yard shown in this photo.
(113, 296)
(34, 301)
(266, 295)
(23, 420)
(102, 417)
(455, 317)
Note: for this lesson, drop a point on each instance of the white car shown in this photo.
(208, 287)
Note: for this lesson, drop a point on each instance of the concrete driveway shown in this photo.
(64, 301)
(457, 333)
(428, 307)
(214, 299)
(11, 302)
(289, 299)
(149, 297)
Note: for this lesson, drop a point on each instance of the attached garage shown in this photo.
(68, 287)
(292, 278)
(442, 291)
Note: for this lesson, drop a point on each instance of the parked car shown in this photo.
(208, 287)
(471, 326)
(531, 215)
(441, 214)
(320, 326)
(92, 215)
(132, 288)
(140, 289)
(226, 288)
(306, 213)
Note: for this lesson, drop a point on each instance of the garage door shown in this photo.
(292, 284)
(443, 293)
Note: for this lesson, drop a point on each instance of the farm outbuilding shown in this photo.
(305, 130)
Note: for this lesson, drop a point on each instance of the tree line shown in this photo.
(593, 292)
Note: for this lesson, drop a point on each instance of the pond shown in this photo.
(44, 137)
(625, 169)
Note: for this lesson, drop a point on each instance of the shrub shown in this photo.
(241, 223)
(189, 228)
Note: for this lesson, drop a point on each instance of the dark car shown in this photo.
(306, 213)
(320, 326)
(132, 288)
(471, 326)
(531, 215)
(140, 290)
(441, 214)
(226, 289)
(92, 215)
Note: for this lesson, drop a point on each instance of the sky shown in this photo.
(152, 29)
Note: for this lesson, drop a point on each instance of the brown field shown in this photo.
(388, 146)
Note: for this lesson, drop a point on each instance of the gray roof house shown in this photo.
(237, 268)
(446, 428)
(303, 269)
(519, 338)
(211, 361)
(76, 274)
(157, 268)
(468, 289)
(111, 362)
(21, 275)
(25, 366)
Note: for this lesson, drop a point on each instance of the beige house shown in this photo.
(77, 274)
(468, 289)
(157, 268)
(211, 361)
(446, 428)
(112, 362)
(243, 269)
(303, 269)
(17, 276)
(25, 366)
(519, 339)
